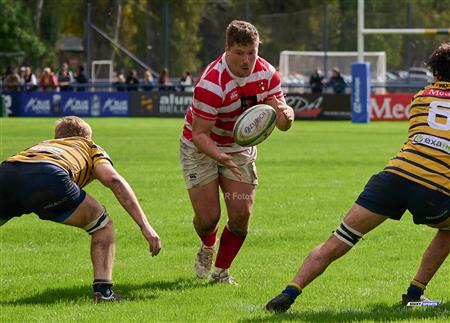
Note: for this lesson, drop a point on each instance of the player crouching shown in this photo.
(48, 179)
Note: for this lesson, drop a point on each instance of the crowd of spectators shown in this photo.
(24, 79)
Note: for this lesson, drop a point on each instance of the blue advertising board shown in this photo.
(75, 104)
(82, 104)
(361, 92)
(111, 104)
(37, 104)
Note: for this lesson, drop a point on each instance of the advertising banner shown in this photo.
(110, 104)
(159, 104)
(390, 106)
(39, 104)
(82, 104)
(10, 103)
(306, 106)
(320, 106)
(73, 103)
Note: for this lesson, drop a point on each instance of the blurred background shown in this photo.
(186, 35)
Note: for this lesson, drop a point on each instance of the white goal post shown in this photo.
(102, 71)
(299, 65)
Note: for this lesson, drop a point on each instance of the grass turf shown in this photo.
(309, 177)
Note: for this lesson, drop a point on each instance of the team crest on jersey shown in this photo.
(234, 95)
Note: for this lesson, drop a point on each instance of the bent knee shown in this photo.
(207, 224)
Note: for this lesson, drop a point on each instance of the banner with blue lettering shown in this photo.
(37, 104)
(74, 104)
(82, 104)
(110, 104)
(361, 92)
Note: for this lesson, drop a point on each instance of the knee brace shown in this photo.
(99, 223)
(347, 234)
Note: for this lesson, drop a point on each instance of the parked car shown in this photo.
(420, 74)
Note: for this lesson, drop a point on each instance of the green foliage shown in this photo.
(185, 42)
(309, 177)
(17, 32)
(197, 28)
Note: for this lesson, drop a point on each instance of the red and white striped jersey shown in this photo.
(221, 96)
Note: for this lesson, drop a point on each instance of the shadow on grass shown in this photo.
(375, 313)
(130, 292)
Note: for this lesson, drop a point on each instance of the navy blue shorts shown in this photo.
(391, 195)
(42, 188)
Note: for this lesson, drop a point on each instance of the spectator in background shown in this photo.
(30, 81)
(132, 81)
(164, 83)
(65, 78)
(119, 84)
(186, 82)
(148, 83)
(11, 82)
(336, 82)
(81, 79)
(48, 81)
(316, 82)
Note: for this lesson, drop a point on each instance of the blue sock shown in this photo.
(292, 292)
(103, 286)
(414, 292)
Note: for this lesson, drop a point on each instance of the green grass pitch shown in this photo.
(309, 178)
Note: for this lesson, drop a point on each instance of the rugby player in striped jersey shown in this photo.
(210, 158)
(48, 179)
(417, 179)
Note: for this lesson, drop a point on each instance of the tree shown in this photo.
(17, 33)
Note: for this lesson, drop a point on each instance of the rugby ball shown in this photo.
(254, 125)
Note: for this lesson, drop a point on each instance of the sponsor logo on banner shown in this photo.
(95, 105)
(432, 141)
(172, 103)
(146, 103)
(302, 107)
(390, 106)
(7, 101)
(437, 93)
(76, 107)
(37, 106)
(115, 106)
(357, 107)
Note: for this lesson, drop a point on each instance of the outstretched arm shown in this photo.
(109, 177)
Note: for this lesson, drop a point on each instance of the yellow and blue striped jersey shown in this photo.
(76, 155)
(425, 157)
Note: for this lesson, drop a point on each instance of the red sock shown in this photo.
(228, 249)
(210, 241)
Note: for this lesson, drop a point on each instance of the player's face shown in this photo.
(241, 58)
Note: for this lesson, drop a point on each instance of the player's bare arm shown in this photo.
(200, 136)
(109, 177)
(285, 114)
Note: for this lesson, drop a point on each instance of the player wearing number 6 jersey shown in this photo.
(417, 179)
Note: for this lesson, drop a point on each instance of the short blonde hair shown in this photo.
(72, 127)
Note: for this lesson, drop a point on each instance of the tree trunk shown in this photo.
(39, 6)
